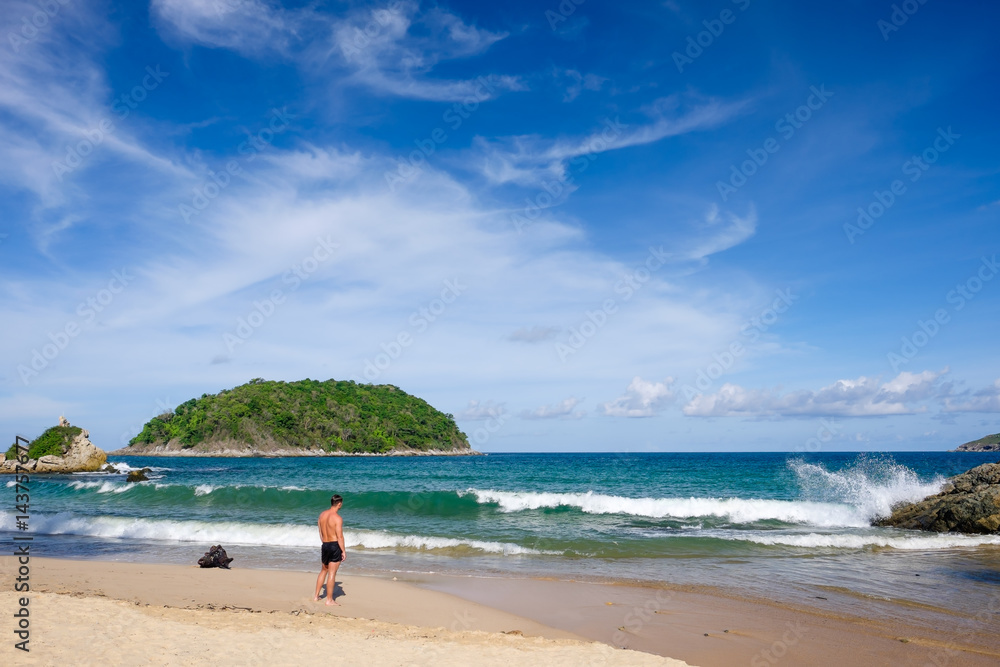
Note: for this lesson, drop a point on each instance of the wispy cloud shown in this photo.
(535, 334)
(478, 411)
(982, 400)
(863, 397)
(565, 409)
(532, 159)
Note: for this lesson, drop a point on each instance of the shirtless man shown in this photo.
(333, 553)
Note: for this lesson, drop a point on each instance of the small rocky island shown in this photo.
(968, 503)
(60, 449)
(302, 418)
(989, 443)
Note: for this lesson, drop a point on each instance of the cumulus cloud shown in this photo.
(642, 398)
(561, 410)
(863, 397)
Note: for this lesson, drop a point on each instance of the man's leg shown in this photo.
(319, 582)
(331, 582)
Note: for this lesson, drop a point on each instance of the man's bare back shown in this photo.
(333, 551)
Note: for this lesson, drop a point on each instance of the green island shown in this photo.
(989, 443)
(306, 417)
(54, 441)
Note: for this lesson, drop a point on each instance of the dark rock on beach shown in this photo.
(215, 557)
(968, 503)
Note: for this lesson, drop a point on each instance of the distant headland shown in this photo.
(989, 443)
(302, 418)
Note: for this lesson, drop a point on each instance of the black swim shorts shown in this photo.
(331, 553)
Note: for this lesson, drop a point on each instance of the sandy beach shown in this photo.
(94, 612)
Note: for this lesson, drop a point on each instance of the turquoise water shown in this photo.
(772, 524)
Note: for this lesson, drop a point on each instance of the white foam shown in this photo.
(205, 489)
(737, 510)
(871, 486)
(921, 542)
(281, 535)
(102, 487)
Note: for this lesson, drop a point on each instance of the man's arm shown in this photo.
(340, 537)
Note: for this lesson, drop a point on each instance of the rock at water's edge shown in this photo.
(137, 476)
(81, 456)
(968, 503)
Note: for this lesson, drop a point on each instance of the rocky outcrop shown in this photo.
(968, 503)
(81, 456)
(137, 476)
(990, 443)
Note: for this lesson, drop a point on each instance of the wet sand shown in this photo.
(93, 609)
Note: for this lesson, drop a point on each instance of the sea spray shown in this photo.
(872, 485)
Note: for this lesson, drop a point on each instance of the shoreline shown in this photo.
(701, 626)
(162, 452)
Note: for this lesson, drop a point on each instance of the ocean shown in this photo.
(787, 527)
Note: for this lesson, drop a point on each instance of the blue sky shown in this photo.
(598, 226)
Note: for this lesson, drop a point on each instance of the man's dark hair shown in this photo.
(337, 499)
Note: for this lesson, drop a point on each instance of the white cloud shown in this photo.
(642, 398)
(394, 52)
(246, 26)
(391, 49)
(532, 160)
(562, 410)
(982, 400)
(478, 411)
(864, 397)
(579, 83)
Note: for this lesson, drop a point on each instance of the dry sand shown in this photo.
(88, 612)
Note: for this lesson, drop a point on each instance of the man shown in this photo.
(333, 552)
